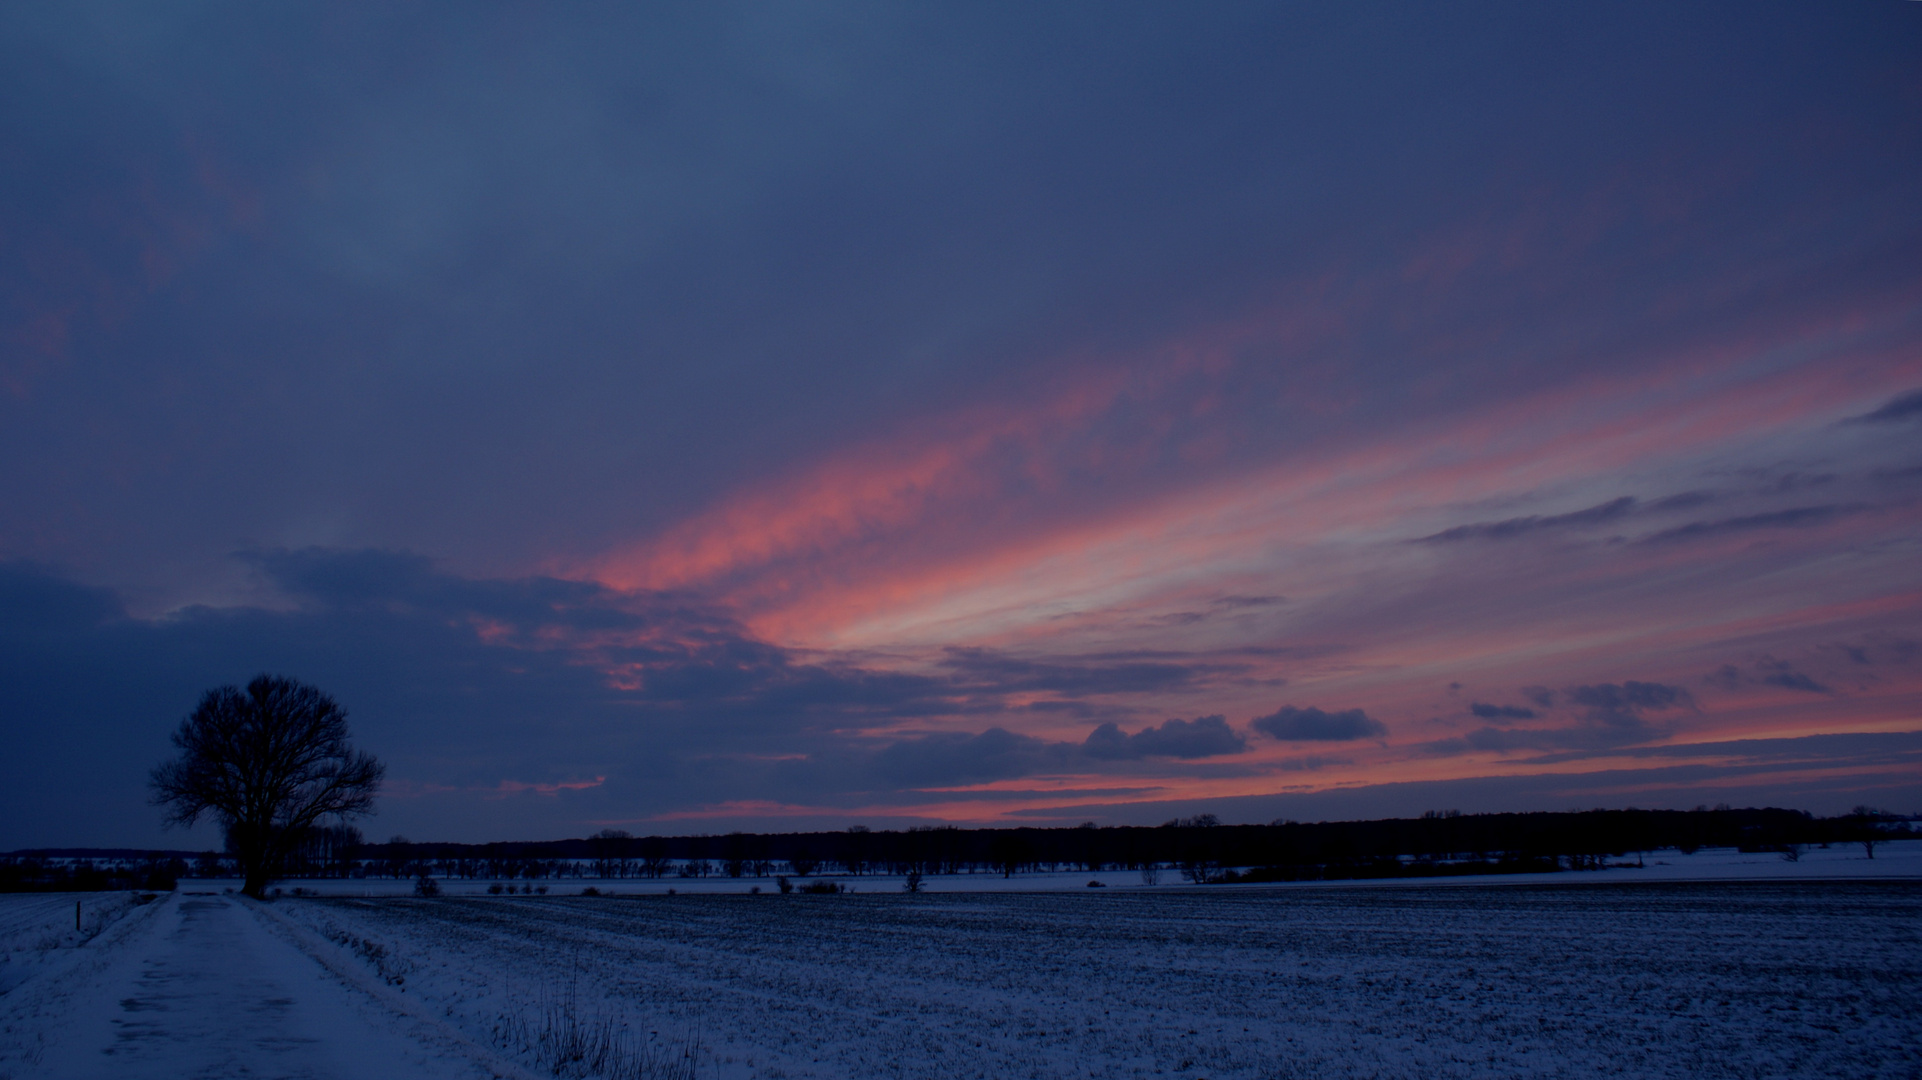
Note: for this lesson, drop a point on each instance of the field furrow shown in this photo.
(1647, 980)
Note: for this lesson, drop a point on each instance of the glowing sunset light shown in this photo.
(1250, 521)
(741, 420)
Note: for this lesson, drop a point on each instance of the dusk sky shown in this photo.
(694, 418)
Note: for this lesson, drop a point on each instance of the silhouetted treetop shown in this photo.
(268, 763)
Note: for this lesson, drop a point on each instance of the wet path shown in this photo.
(207, 991)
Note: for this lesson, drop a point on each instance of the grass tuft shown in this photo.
(563, 1039)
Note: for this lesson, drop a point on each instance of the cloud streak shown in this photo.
(1904, 407)
(1613, 510)
(1291, 724)
(1204, 736)
(776, 412)
(1800, 517)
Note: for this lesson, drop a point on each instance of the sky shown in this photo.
(687, 418)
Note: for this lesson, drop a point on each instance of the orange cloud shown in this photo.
(970, 529)
(517, 787)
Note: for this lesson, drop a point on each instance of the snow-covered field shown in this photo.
(1591, 974)
(1642, 979)
(1681, 980)
(39, 932)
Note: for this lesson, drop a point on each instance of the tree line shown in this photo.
(1198, 849)
(272, 763)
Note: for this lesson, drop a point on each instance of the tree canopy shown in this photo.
(268, 762)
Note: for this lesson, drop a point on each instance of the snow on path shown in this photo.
(204, 989)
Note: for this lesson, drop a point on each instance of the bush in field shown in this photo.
(913, 883)
(426, 887)
(784, 884)
(1201, 871)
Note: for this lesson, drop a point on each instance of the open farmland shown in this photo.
(39, 931)
(1684, 979)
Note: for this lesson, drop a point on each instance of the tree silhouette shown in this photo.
(654, 858)
(612, 849)
(267, 763)
(1865, 828)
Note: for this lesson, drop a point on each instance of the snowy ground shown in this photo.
(204, 986)
(39, 932)
(1618, 975)
(1648, 980)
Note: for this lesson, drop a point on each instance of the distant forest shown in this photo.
(1198, 849)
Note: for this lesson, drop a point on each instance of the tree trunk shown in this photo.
(257, 881)
(256, 856)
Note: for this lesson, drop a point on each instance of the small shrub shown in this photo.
(823, 888)
(494, 889)
(426, 887)
(590, 891)
(784, 884)
(913, 883)
(567, 1043)
(1201, 871)
(392, 969)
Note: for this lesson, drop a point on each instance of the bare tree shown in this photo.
(611, 849)
(654, 858)
(1867, 827)
(267, 763)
